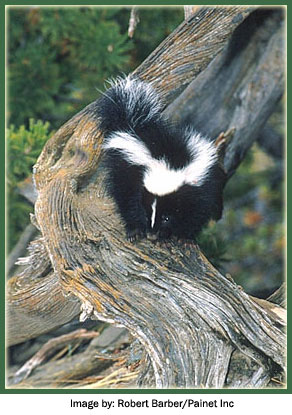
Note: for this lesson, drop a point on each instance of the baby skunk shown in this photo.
(164, 179)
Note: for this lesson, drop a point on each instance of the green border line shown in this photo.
(2, 155)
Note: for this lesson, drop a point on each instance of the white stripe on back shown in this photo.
(160, 179)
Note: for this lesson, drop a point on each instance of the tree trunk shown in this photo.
(198, 328)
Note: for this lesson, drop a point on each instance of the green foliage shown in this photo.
(23, 148)
(57, 57)
(155, 24)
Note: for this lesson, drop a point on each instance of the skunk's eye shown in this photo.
(165, 218)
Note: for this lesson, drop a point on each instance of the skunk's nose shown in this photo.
(153, 236)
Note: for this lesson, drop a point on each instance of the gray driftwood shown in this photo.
(197, 327)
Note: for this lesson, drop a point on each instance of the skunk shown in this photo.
(166, 180)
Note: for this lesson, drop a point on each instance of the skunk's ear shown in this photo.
(222, 142)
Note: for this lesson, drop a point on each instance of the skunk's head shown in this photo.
(173, 214)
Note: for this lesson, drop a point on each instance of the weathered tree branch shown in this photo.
(50, 348)
(189, 10)
(240, 88)
(134, 20)
(19, 249)
(271, 142)
(190, 318)
(189, 49)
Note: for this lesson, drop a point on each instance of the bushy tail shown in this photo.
(127, 105)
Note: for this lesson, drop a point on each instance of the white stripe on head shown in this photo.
(153, 215)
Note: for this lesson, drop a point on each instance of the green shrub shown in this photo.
(23, 148)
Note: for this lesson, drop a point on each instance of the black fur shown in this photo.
(182, 213)
(185, 212)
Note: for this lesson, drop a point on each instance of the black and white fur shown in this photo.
(166, 180)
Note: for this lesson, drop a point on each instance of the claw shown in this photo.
(135, 235)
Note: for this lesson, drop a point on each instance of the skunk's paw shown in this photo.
(134, 235)
(136, 232)
(136, 226)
